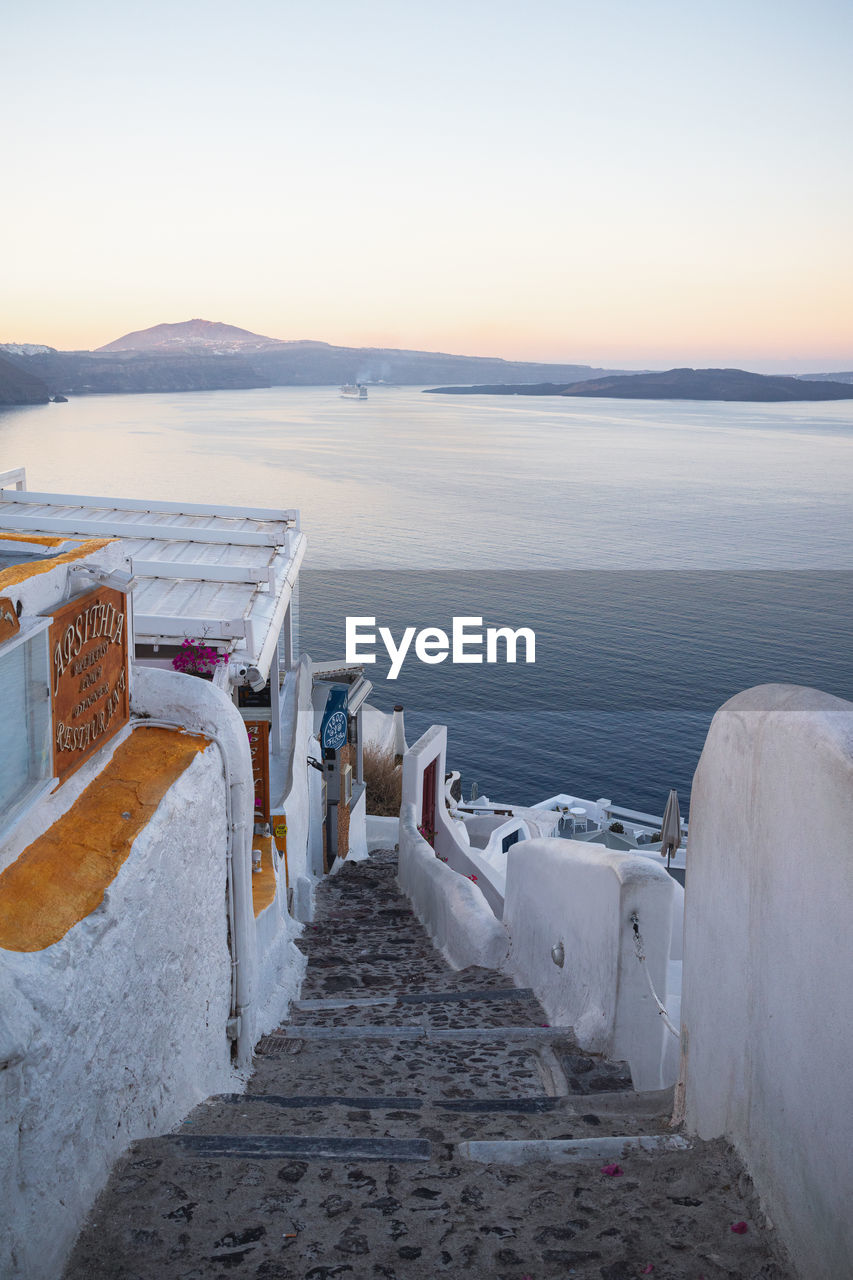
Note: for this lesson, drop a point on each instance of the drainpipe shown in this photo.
(238, 840)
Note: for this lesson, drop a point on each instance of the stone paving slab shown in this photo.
(172, 1218)
(448, 1121)
(415, 1067)
(435, 1009)
(280, 1146)
(416, 1031)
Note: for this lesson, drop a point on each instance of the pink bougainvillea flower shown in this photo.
(647, 1271)
(740, 1228)
(612, 1170)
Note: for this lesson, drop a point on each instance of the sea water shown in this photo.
(667, 554)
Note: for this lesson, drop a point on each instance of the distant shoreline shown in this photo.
(722, 385)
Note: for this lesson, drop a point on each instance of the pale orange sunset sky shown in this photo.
(612, 183)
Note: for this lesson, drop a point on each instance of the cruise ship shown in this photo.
(354, 391)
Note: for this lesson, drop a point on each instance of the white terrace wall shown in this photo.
(448, 905)
(767, 1010)
(451, 840)
(118, 1029)
(432, 745)
(565, 892)
(303, 789)
(281, 965)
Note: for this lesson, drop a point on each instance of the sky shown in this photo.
(597, 181)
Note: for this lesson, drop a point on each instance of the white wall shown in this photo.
(381, 833)
(299, 793)
(451, 908)
(203, 708)
(358, 829)
(430, 746)
(768, 962)
(379, 727)
(448, 843)
(118, 1029)
(281, 965)
(562, 891)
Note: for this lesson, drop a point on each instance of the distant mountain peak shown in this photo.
(190, 335)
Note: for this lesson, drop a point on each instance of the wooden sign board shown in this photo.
(89, 676)
(259, 734)
(9, 624)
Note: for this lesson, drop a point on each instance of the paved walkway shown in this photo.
(354, 1153)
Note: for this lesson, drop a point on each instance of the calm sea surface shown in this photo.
(566, 517)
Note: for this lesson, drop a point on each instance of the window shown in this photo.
(25, 737)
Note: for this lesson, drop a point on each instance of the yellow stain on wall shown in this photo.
(40, 539)
(17, 573)
(61, 877)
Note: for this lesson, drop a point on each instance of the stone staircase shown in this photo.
(411, 1121)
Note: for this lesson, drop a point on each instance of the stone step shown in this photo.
(358, 1151)
(409, 1065)
(571, 1151)
(279, 1146)
(277, 1042)
(437, 1120)
(343, 978)
(453, 1009)
(419, 997)
(176, 1212)
(432, 1063)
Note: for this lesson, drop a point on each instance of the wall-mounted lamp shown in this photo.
(117, 579)
(558, 954)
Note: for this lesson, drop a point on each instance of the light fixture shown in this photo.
(255, 679)
(117, 579)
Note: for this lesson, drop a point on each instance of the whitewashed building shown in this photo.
(156, 829)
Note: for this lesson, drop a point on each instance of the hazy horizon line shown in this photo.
(634, 364)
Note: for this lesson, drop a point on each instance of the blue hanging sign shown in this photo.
(333, 730)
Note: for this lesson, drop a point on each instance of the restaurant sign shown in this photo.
(89, 677)
(9, 624)
(259, 737)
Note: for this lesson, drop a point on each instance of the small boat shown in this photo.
(354, 391)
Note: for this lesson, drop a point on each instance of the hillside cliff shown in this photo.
(198, 355)
(20, 386)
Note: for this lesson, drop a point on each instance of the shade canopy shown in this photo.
(670, 833)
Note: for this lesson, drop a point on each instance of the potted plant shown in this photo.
(195, 658)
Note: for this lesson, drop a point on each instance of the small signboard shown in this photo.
(9, 624)
(259, 733)
(333, 731)
(88, 676)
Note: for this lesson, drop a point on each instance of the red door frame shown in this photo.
(428, 799)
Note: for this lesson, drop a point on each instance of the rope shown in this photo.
(641, 956)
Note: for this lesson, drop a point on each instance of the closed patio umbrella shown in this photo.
(670, 831)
